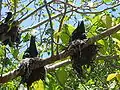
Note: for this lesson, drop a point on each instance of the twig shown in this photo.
(33, 12)
(55, 9)
(61, 24)
(52, 52)
(25, 6)
(95, 12)
(44, 21)
(23, 15)
(72, 10)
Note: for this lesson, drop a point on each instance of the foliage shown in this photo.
(98, 16)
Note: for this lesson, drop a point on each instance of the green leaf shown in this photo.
(6, 62)
(26, 37)
(38, 85)
(64, 38)
(101, 42)
(117, 41)
(90, 82)
(116, 35)
(111, 76)
(104, 46)
(118, 77)
(95, 19)
(14, 52)
(92, 32)
(62, 75)
(2, 51)
(66, 33)
(106, 1)
(107, 20)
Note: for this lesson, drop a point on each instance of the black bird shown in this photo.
(83, 56)
(4, 26)
(12, 34)
(9, 16)
(38, 73)
(79, 32)
(31, 51)
(9, 31)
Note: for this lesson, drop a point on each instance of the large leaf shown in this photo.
(62, 75)
(66, 33)
(107, 20)
(38, 85)
(118, 77)
(111, 76)
(116, 35)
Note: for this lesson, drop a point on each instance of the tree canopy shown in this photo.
(52, 22)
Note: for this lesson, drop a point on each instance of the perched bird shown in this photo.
(9, 31)
(38, 73)
(81, 56)
(13, 34)
(79, 32)
(9, 16)
(4, 26)
(31, 51)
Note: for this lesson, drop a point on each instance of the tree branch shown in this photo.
(25, 6)
(61, 25)
(108, 32)
(42, 62)
(52, 31)
(9, 76)
(66, 62)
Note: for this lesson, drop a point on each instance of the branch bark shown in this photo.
(42, 62)
(66, 62)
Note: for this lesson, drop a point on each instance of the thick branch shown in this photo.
(64, 54)
(108, 32)
(9, 76)
(66, 62)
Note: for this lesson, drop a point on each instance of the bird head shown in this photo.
(81, 27)
(8, 17)
(32, 38)
(9, 13)
(81, 30)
